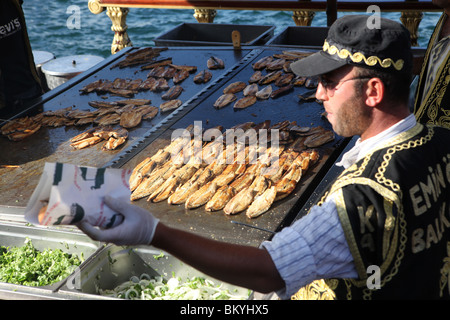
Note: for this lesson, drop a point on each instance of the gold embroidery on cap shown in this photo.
(358, 57)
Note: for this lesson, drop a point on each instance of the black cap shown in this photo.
(356, 40)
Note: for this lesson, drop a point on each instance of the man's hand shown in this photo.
(138, 226)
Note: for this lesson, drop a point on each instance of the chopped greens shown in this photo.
(30, 267)
(156, 288)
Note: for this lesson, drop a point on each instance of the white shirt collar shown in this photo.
(362, 148)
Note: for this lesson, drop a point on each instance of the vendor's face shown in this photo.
(346, 110)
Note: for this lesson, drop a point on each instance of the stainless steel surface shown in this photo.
(71, 65)
(14, 235)
(113, 265)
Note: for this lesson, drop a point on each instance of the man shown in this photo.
(432, 98)
(19, 81)
(388, 210)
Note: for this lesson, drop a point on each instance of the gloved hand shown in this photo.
(137, 228)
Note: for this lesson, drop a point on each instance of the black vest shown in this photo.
(18, 76)
(434, 109)
(394, 206)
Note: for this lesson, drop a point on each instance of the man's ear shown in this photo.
(374, 92)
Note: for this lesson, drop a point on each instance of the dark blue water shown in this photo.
(57, 28)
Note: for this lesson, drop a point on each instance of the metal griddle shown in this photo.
(52, 145)
(217, 225)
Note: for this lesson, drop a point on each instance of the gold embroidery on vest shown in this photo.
(428, 105)
(358, 57)
(445, 272)
(317, 290)
(382, 185)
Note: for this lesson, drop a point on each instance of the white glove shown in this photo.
(137, 228)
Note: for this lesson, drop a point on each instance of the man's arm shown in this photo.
(240, 265)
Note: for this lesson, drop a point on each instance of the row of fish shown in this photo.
(127, 113)
(142, 56)
(161, 71)
(259, 86)
(113, 138)
(233, 178)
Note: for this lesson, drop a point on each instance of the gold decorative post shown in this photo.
(95, 7)
(205, 15)
(303, 17)
(118, 17)
(411, 21)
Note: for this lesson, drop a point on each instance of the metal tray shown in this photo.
(113, 265)
(13, 235)
(214, 34)
(300, 36)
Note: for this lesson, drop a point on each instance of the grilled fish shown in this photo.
(135, 102)
(282, 91)
(270, 77)
(240, 201)
(229, 173)
(215, 63)
(156, 72)
(102, 104)
(224, 100)
(169, 73)
(201, 196)
(284, 80)
(157, 63)
(203, 76)
(264, 93)
(276, 64)
(319, 138)
(261, 203)
(257, 76)
(235, 87)
(108, 119)
(262, 63)
(189, 69)
(245, 102)
(130, 119)
(87, 142)
(165, 190)
(312, 82)
(284, 188)
(113, 143)
(299, 81)
(148, 83)
(251, 89)
(180, 76)
(183, 192)
(159, 85)
(173, 93)
(170, 105)
(220, 198)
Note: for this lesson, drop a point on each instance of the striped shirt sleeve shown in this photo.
(313, 247)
